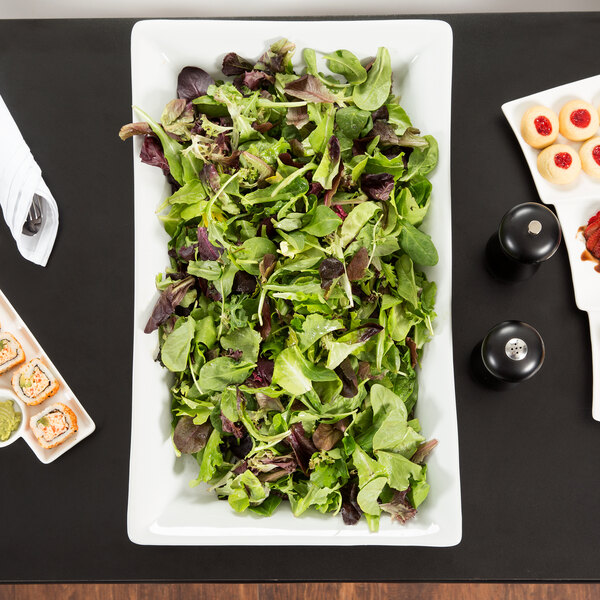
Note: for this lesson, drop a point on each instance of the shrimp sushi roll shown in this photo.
(53, 425)
(11, 353)
(34, 382)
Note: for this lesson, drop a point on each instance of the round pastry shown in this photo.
(539, 127)
(559, 164)
(578, 120)
(590, 156)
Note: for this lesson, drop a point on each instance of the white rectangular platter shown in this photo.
(163, 509)
(575, 203)
(11, 322)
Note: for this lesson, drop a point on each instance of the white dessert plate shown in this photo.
(163, 509)
(575, 204)
(11, 322)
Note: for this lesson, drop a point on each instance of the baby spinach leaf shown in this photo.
(418, 245)
(406, 286)
(358, 217)
(323, 222)
(220, 372)
(207, 269)
(344, 63)
(315, 327)
(368, 495)
(246, 340)
(351, 121)
(373, 93)
(176, 348)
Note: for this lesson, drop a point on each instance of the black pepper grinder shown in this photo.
(528, 235)
(510, 353)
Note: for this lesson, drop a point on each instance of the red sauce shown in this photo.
(563, 160)
(596, 154)
(543, 125)
(581, 118)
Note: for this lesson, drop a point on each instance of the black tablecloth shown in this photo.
(529, 457)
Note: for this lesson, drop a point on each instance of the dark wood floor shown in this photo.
(301, 591)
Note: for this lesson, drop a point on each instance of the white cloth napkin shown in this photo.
(20, 180)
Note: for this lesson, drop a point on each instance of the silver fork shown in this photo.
(33, 223)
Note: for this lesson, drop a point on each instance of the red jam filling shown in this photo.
(581, 118)
(543, 125)
(596, 154)
(563, 160)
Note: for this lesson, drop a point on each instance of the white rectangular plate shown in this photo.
(11, 322)
(575, 204)
(163, 509)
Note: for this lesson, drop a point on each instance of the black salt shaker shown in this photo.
(528, 235)
(510, 353)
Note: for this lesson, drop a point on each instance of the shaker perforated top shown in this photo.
(512, 351)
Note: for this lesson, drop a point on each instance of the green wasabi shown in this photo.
(10, 419)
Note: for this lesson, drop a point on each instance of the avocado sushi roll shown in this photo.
(11, 353)
(34, 382)
(53, 425)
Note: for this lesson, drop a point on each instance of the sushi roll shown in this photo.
(53, 425)
(11, 353)
(34, 382)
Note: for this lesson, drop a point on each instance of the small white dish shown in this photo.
(19, 407)
(574, 203)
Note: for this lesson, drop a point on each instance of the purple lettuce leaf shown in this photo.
(330, 269)
(231, 427)
(423, 451)
(326, 436)
(256, 79)
(243, 283)
(167, 302)
(309, 88)
(412, 346)
(358, 265)
(303, 448)
(193, 82)
(262, 374)
(152, 154)
(188, 437)
(377, 186)
(351, 511)
(206, 250)
(297, 116)
(349, 380)
(265, 328)
(234, 64)
(132, 129)
(210, 176)
(399, 507)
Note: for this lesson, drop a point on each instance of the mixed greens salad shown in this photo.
(293, 314)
